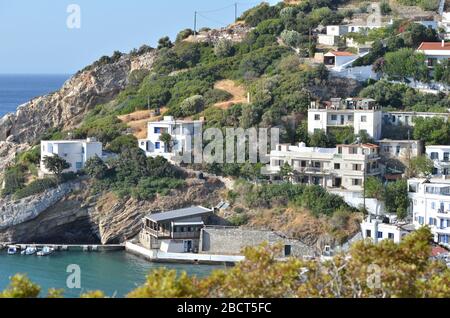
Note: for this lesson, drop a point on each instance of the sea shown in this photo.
(115, 273)
(16, 90)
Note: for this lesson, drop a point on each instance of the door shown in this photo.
(287, 250)
(188, 246)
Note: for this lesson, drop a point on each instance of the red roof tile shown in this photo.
(434, 46)
(342, 53)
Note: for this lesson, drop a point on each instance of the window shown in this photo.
(357, 182)
(421, 220)
(353, 151)
(157, 130)
(431, 221)
(363, 119)
(340, 150)
(157, 145)
(380, 235)
(316, 117)
(446, 156)
(357, 167)
(78, 165)
(333, 117)
(434, 156)
(337, 166)
(82, 150)
(368, 233)
(350, 117)
(391, 236)
(399, 148)
(433, 205)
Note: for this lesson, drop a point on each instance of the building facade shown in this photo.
(384, 228)
(176, 231)
(440, 155)
(75, 152)
(363, 114)
(181, 131)
(343, 167)
(339, 59)
(435, 52)
(400, 149)
(430, 206)
(399, 118)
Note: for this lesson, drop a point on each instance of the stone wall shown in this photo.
(16, 212)
(231, 241)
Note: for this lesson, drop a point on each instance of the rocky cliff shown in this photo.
(66, 108)
(77, 217)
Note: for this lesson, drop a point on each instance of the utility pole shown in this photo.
(195, 23)
(235, 11)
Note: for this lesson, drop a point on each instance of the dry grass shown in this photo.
(138, 120)
(239, 93)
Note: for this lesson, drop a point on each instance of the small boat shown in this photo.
(12, 250)
(30, 250)
(45, 251)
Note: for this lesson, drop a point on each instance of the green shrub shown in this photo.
(36, 187)
(216, 95)
(13, 179)
(124, 141)
(239, 219)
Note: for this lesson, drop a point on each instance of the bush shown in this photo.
(216, 95)
(96, 168)
(124, 141)
(239, 220)
(13, 179)
(223, 48)
(36, 187)
(192, 105)
(184, 34)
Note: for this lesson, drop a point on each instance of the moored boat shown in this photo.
(12, 249)
(30, 250)
(45, 251)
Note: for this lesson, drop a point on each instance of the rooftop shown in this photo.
(178, 214)
(88, 140)
(341, 53)
(172, 120)
(372, 146)
(434, 46)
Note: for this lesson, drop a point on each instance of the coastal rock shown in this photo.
(8, 152)
(66, 108)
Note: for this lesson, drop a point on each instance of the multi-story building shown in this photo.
(430, 205)
(181, 131)
(363, 114)
(345, 166)
(378, 228)
(75, 152)
(441, 159)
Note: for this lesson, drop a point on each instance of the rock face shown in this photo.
(66, 108)
(8, 151)
(79, 218)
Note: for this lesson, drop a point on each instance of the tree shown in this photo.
(164, 42)
(192, 105)
(56, 165)
(374, 189)
(286, 172)
(434, 131)
(291, 38)
(420, 166)
(96, 168)
(405, 63)
(320, 139)
(442, 72)
(223, 48)
(397, 200)
(121, 142)
(166, 138)
(385, 7)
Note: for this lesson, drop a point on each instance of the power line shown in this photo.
(217, 10)
(212, 20)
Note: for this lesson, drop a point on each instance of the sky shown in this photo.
(42, 36)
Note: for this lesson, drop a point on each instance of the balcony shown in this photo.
(186, 235)
(157, 234)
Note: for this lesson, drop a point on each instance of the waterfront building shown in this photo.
(176, 231)
(440, 155)
(75, 152)
(430, 206)
(343, 167)
(181, 132)
(363, 114)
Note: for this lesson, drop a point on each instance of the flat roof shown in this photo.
(437, 146)
(341, 53)
(71, 141)
(178, 214)
(398, 141)
(435, 181)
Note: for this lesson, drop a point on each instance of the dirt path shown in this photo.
(239, 93)
(138, 120)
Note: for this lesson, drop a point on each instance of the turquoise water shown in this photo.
(115, 273)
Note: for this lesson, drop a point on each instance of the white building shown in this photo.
(343, 167)
(75, 152)
(362, 114)
(435, 52)
(385, 228)
(339, 59)
(430, 205)
(400, 149)
(405, 118)
(445, 23)
(441, 159)
(181, 131)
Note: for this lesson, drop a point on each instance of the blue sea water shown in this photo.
(16, 90)
(115, 273)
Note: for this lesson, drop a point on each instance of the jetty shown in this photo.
(71, 247)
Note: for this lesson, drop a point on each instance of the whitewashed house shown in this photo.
(363, 114)
(181, 131)
(334, 32)
(430, 206)
(339, 59)
(75, 152)
(400, 149)
(378, 228)
(343, 167)
(441, 159)
(435, 52)
(405, 118)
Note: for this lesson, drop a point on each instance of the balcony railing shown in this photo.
(185, 235)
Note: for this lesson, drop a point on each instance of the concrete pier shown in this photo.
(73, 247)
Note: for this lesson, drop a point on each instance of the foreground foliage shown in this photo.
(384, 270)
